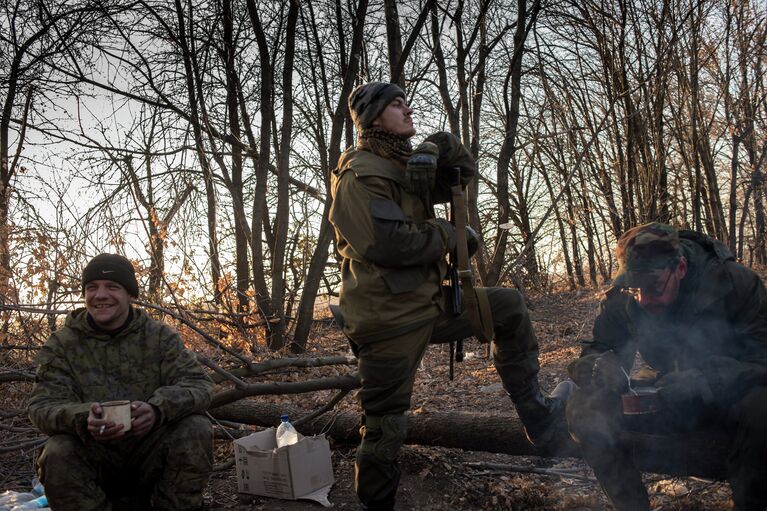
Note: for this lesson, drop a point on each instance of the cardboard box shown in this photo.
(293, 472)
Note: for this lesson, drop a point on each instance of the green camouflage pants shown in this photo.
(167, 469)
(387, 369)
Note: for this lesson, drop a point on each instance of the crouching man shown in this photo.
(110, 350)
(699, 320)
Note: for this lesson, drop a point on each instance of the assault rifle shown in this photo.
(456, 304)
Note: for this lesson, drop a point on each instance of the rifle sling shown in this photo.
(475, 299)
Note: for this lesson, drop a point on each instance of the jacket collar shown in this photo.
(77, 320)
(365, 163)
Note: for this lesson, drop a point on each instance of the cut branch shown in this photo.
(349, 382)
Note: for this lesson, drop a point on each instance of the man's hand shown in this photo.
(100, 429)
(143, 417)
(421, 170)
(608, 372)
(684, 388)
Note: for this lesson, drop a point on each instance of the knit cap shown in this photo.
(112, 267)
(367, 101)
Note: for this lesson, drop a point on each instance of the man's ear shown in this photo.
(681, 268)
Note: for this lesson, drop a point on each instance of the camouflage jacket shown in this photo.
(718, 324)
(147, 361)
(392, 249)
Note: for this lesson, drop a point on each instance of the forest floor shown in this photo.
(435, 478)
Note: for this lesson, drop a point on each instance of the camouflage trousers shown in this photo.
(387, 369)
(595, 419)
(167, 469)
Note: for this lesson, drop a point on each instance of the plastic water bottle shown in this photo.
(37, 487)
(39, 502)
(286, 433)
(11, 498)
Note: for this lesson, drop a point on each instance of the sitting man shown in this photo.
(112, 351)
(699, 321)
(392, 251)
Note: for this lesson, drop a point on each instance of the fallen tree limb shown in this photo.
(699, 454)
(27, 444)
(282, 363)
(348, 382)
(505, 467)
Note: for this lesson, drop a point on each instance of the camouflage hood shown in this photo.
(77, 320)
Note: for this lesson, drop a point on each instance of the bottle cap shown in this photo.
(284, 418)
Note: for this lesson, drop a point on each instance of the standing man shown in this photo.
(110, 350)
(699, 320)
(393, 252)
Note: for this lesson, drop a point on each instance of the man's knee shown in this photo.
(62, 460)
(386, 385)
(593, 413)
(194, 427)
(751, 413)
(68, 475)
(506, 302)
(187, 464)
(61, 448)
(190, 441)
(515, 340)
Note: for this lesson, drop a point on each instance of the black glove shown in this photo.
(421, 170)
(684, 388)
(608, 372)
(452, 153)
(472, 241)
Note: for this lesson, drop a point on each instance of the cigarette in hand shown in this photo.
(102, 428)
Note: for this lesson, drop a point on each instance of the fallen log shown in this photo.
(699, 454)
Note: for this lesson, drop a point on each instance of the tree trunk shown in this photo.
(241, 231)
(562, 235)
(210, 192)
(508, 148)
(394, 42)
(319, 258)
(276, 338)
(259, 211)
(695, 454)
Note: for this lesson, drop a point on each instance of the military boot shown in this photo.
(544, 416)
(376, 470)
(621, 481)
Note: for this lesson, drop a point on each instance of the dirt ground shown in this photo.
(439, 478)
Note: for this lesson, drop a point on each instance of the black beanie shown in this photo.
(112, 267)
(368, 100)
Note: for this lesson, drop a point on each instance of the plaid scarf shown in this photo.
(385, 144)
